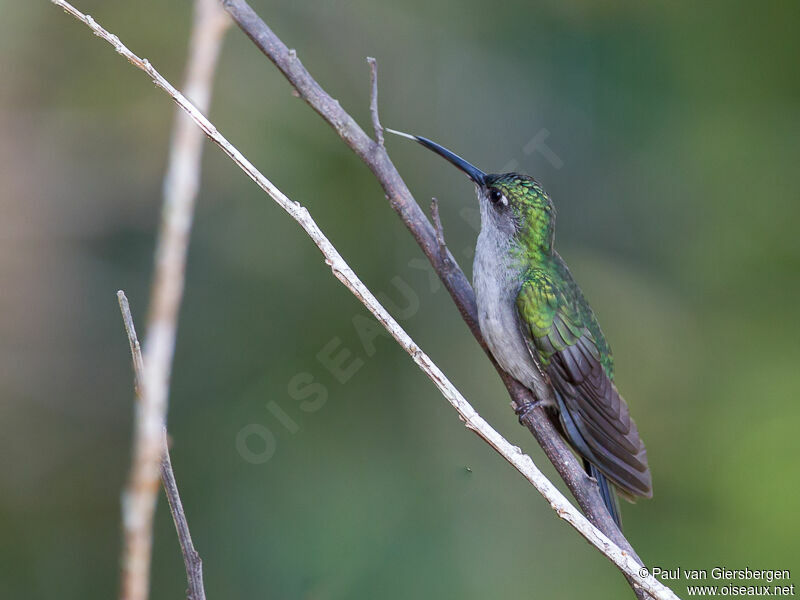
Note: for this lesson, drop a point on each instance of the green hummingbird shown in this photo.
(541, 330)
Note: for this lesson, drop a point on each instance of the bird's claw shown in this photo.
(526, 408)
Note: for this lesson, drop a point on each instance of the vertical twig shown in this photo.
(373, 100)
(180, 192)
(133, 340)
(448, 265)
(138, 499)
(437, 227)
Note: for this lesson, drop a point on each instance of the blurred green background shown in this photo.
(673, 136)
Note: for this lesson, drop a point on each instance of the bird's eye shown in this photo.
(496, 197)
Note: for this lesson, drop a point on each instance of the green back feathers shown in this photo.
(550, 303)
(552, 307)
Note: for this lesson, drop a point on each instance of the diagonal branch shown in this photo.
(377, 160)
(523, 463)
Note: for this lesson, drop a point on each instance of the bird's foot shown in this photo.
(526, 408)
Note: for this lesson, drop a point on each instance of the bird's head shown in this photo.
(514, 207)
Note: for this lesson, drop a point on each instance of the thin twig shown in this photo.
(191, 559)
(373, 100)
(444, 254)
(437, 226)
(523, 463)
(133, 341)
(138, 499)
(377, 160)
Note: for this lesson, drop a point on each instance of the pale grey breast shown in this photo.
(496, 279)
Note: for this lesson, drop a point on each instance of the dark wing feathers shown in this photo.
(602, 419)
(563, 333)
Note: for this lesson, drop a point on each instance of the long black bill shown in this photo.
(472, 171)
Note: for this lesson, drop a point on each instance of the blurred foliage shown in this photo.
(677, 132)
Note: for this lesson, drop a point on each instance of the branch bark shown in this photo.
(523, 463)
(375, 157)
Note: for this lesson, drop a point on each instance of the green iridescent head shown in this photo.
(514, 207)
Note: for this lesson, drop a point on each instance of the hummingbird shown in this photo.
(542, 331)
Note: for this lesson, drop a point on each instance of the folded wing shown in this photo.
(563, 334)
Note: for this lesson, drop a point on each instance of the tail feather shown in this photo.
(606, 492)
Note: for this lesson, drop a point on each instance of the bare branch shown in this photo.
(523, 463)
(194, 566)
(373, 100)
(191, 559)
